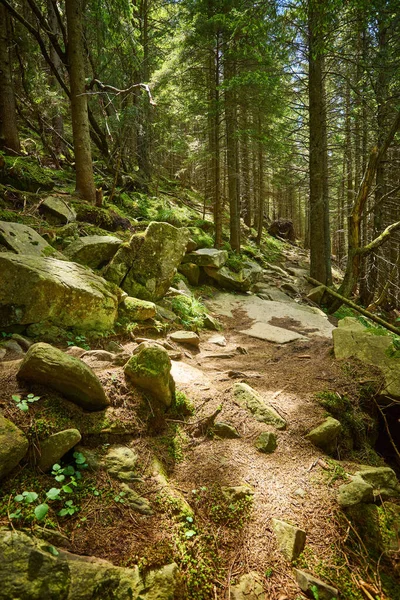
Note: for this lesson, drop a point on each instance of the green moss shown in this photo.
(24, 173)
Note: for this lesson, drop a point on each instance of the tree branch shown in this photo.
(378, 241)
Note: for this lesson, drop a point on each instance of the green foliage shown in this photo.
(78, 340)
(183, 406)
(271, 248)
(23, 403)
(190, 311)
(235, 262)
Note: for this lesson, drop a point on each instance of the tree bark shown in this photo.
(231, 126)
(9, 138)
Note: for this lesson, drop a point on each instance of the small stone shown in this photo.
(290, 288)
(13, 346)
(300, 493)
(57, 211)
(249, 587)
(225, 431)
(165, 313)
(13, 446)
(315, 295)
(114, 347)
(53, 448)
(291, 540)
(237, 492)
(355, 492)
(325, 435)
(307, 582)
(249, 399)
(3, 352)
(219, 340)
(75, 351)
(266, 442)
(98, 355)
(211, 323)
(185, 337)
(23, 341)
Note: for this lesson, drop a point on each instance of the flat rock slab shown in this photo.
(94, 250)
(22, 239)
(251, 400)
(185, 337)
(207, 257)
(57, 211)
(270, 333)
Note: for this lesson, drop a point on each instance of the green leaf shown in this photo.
(30, 497)
(59, 478)
(23, 406)
(56, 467)
(16, 398)
(79, 458)
(53, 551)
(69, 503)
(69, 470)
(190, 533)
(53, 494)
(67, 489)
(19, 498)
(63, 512)
(189, 519)
(41, 511)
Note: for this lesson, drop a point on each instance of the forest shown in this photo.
(200, 299)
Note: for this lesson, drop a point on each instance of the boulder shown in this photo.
(94, 251)
(145, 267)
(185, 337)
(249, 587)
(225, 431)
(207, 257)
(240, 282)
(52, 368)
(383, 480)
(12, 346)
(316, 294)
(120, 462)
(57, 211)
(251, 400)
(53, 448)
(32, 568)
(79, 298)
(355, 492)
(266, 442)
(291, 540)
(352, 339)
(137, 310)
(150, 369)
(21, 239)
(308, 584)
(23, 341)
(325, 435)
(377, 526)
(13, 446)
(191, 272)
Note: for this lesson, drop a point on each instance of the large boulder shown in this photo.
(145, 267)
(51, 367)
(57, 211)
(13, 446)
(241, 281)
(383, 480)
(35, 290)
(21, 239)
(207, 257)
(32, 568)
(94, 251)
(53, 448)
(150, 369)
(251, 400)
(356, 492)
(352, 339)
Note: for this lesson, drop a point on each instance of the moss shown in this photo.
(24, 173)
(190, 311)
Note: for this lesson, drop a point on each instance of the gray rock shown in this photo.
(165, 313)
(251, 400)
(13, 446)
(57, 211)
(241, 282)
(249, 587)
(137, 310)
(191, 272)
(3, 352)
(290, 288)
(150, 369)
(97, 355)
(185, 337)
(13, 346)
(135, 501)
(120, 462)
(23, 341)
(52, 368)
(219, 340)
(21, 239)
(94, 251)
(355, 492)
(207, 257)
(75, 351)
(383, 480)
(225, 431)
(291, 540)
(266, 442)
(325, 435)
(211, 323)
(306, 582)
(53, 448)
(315, 295)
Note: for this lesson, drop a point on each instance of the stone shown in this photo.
(291, 540)
(355, 492)
(251, 400)
(23, 341)
(207, 257)
(290, 288)
(211, 323)
(97, 355)
(3, 352)
(183, 288)
(120, 462)
(135, 310)
(29, 569)
(55, 369)
(225, 431)
(352, 339)
(165, 313)
(135, 501)
(307, 582)
(57, 211)
(21, 239)
(325, 435)
(177, 502)
(53, 448)
(145, 267)
(383, 481)
(237, 492)
(12, 346)
(240, 282)
(249, 587)
(13, 446)
(150, 369)
(75, 351)
(219, 340)
(377, 526)
(270, 333)
(191, 272)
(94, 251)
(79, 298)
(185, 337)
(266, 442)
(316, 294)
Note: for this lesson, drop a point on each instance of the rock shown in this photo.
(120, 462)
(325, 435)
(52, 368)
(316, 294)
(351, 338)
(307, 582)
(225, 431)
(291, 540)
(207, 257)
(94, 251)
(23, 341)
(165, 313)
(290, 288)
(79, 298)
(219, 340)
(237, 492)
(242, 281)
(137, 310)
(150, 369)
(115, 347)
(75, 351)
(355, 492)
(3, 352)
(266, 442)
(249, 399)
(135, 501)
(53, 448)
(382, 479)
(249, 587)
(97, 355)
(57, 211)
(272, 294)
(191, 272)
(185, 337)
(173, 496)
(377, 526)
(29, 569)
(211, 323)
(13, 446)
(21, 239)
(145, 267)
(183, 288)
(12, 346)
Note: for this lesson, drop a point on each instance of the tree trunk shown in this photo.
(60, 147)
(231, 126)
(85, 186)
(9, 138)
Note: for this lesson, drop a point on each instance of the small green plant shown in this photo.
(23, 403)
(78, 340)
(183, 405)
(69, 509)
(27, 498)
(119, 498)
(269, 572)
(190, 311)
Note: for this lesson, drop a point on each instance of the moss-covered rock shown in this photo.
(356, 492)
(241, 281)
(150, 369)
(291, 540)
(51, 367)
(191, 272)
(249, 587)
(13, 446)
(53, 448)
(325, 435)
(134, 309)
(95, 251)
(24, 173)
(101, 217)
(207, 257)
(266, 442)
(251, 400)
(21, 239)
(35, 290)
(57, 211)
